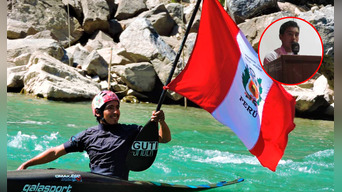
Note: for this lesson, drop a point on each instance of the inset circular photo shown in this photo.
(290, 50)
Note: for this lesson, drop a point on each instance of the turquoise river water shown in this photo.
(201, 151)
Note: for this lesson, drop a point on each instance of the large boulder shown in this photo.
(75, 7)
(176, 11)
(111, 56)
(29, 17)
(96, 15)
(103, 45)
(46, 34)
(19, 29)
(152, 3)
(323, 20)
(140, 77)
(160, 19)
(15, 78)
(142, 42)
(95, 65)
(19, 50)
(292, 8)
(49, 78)
(128, 9)
(77, 54)
(100, 40)
(240, 10)
(313, 98)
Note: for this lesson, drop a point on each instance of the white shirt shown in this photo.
(275, 54)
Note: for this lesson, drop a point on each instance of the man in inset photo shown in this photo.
(279, 53)
(289, 36)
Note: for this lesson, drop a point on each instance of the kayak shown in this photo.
(60, 180)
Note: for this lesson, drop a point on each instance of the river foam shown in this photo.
(25, 141)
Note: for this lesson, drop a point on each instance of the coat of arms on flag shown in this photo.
(252, 86)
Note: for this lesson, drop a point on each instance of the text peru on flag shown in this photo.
(224, 77)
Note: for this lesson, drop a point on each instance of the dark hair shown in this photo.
(100, 111)
(286, 25)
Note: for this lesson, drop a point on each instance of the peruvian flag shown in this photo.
(224, 77)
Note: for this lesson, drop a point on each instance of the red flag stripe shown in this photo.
(275, 127)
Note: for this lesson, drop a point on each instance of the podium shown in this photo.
(293, 69)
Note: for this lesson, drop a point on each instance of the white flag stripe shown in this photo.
(237, 111)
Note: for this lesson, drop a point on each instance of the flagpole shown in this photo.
(185, 99)
(70, 64)
(182, 16)
(162, 96)
(109, 67)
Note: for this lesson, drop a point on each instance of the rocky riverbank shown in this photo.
(63, 50)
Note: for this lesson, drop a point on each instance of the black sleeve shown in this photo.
(75, 143)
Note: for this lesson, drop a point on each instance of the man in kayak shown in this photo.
(288, 33)
(106, 144)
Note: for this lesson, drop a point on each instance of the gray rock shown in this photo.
(138, 95)
(100, 40)
(323, 21)
(138, 76)
(96, 15)
(94, 65)
(176, 11)
(18, 29)
(49, 78)
(142, 43)
(240, 10)
(111, 56)
(76, 7)
(312, 100)
(19, 50)
(130, 99)
(152, 3)
(120, 89)
(15, 77)
(160, 19)
(43, 15)
(289, 7)
(172, 41)
(128, 9)
(77, 54)
(42, 35)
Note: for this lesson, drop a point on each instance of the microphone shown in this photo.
(295, 47)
